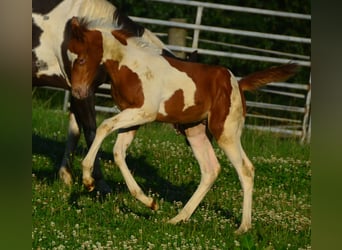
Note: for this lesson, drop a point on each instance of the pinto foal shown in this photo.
(51, 66)
(150, 87)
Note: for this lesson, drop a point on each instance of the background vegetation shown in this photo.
(242, 21)
(164, 166)
(234, 20)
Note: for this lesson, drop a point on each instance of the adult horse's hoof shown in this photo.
(65, 176)
(89, 184)
(154, 205)
(102, 187)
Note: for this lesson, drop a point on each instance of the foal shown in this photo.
(150, 87)
(51, 66)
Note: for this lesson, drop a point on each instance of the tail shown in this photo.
(273, 74)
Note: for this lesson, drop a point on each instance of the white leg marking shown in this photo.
(209, 165)
(245, 170)
(230, 142)
(123, 141)
(127, 118)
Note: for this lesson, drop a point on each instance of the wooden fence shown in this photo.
(261, 115)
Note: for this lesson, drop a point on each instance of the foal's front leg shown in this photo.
(124, 139)
(127, 118)
(86, 117)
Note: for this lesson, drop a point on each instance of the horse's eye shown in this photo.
(81, 61)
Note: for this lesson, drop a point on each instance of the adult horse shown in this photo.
(51, 65)
(162, 88)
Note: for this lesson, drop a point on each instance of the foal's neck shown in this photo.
(112, 48)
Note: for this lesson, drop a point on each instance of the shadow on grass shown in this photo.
(236, 219)
(54, 150)
(51, 149)
(153, 181)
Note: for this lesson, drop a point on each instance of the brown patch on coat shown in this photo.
(127, 90)
(88, 46)
(213, 92)
(221, 103)
(173, 107)
(121, 36)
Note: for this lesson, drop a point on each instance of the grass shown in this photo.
(162, 163)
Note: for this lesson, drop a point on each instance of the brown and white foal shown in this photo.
(149, 87)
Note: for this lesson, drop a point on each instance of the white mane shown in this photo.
(97, 13)
(146, 45)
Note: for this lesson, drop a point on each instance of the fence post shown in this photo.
(197, 31)
(177, 36)
(66, 100)
(307, 116)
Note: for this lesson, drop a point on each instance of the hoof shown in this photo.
(154, 205)
(89, 184)
(182, 216)
(176, 220)
(242, 230)
(172, 221)
(65, 176)
(102, 187)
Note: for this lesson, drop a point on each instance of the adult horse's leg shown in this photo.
(86, 117)
(209, 166)
(73, 137)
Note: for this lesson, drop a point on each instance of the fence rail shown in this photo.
(239, 55)
(300, 127)
(222, 30)
(237, 8)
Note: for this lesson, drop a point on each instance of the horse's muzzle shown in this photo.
(80, 92)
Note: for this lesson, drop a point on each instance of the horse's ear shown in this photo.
(76, 29)
(193, 56)
(121, 36)
(75, 22)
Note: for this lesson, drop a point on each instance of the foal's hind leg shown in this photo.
(231, 145)
(124, 139)
(209, 165)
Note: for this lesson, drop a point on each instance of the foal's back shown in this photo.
(181, 91)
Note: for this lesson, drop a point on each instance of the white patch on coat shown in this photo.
(234, 121)
(159, 78)
(72, 56)
(49, 49)
(53, 24)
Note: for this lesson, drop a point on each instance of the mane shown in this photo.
(121, 20)
(97, 13)
(103, 15)
(141, 43)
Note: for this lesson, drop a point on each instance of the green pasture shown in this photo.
(163, 165)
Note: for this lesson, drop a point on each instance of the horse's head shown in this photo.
(85, 46)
